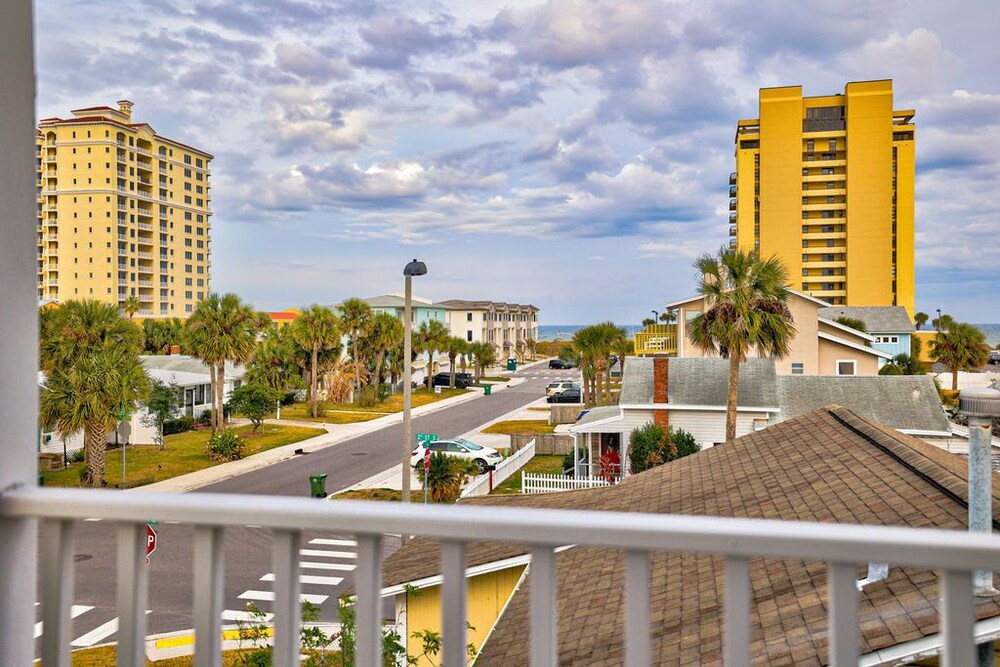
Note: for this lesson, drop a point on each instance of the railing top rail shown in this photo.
(931, 548)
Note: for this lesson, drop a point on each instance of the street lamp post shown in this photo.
(414, 268)
(656, 317)
(937, 326)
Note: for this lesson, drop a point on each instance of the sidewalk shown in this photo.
(335, 434)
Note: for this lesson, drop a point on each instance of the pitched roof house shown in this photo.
(829, 465)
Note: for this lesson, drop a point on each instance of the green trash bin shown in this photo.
(512, 364)
(317, 484)
(486, 389)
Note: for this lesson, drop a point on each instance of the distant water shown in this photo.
(566, 331)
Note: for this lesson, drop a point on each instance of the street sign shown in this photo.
(426, 437)
(150, 541)
(427, 461)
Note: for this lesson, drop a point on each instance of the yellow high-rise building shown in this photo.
(122, 211)
(826, 184)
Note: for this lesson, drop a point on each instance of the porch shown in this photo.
(656, 339)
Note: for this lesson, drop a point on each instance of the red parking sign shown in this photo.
(150, 540)
(427, 461)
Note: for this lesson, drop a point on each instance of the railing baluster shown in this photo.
(453, 598)
(544, 638)
(368, 584)
(842, 587)
(209, 578)
(57, 591)
(287, 611)
(637, 608)
(957, 618)
(132, 582)
(737, 611)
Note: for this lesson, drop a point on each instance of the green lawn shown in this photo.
(546, 465)
(521, 427)
(391, 495)
(495, 378)
(184, 453)
(348, 413)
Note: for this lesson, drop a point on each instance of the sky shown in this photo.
(573, 155)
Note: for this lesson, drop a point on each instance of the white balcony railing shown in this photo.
(842, 547)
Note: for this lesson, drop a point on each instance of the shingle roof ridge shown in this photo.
(928, 462)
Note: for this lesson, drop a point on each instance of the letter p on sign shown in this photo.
(150, 541)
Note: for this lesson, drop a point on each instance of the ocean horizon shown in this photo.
(566, 331)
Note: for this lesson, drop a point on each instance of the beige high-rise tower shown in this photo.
(122, 212)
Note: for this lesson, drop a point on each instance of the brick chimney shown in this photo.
(661, 377)
(175, 350)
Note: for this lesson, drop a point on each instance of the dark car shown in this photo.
(568, 396)
(560, 364)
(995, 357)
(462, 380)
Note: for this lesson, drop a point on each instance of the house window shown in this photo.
(468, 317)
(468, 336)
(797, 368)
(846, 367)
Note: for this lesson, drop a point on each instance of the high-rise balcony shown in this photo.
(732, 178)
(732, 230)
(656, 339)
(732, 204)
(732, 190)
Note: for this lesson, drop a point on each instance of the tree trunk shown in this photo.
(379, 360)
(357, 367)
(451, 368)
(463, 363)
(312, 380)
(954, 380)
(213, 383)
(429, 372)
(220, 390)
(731, 400)
(96, 447)
(598, 384)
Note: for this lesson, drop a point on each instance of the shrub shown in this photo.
(567, 462)
(651, 445)
(205, 418)
(78, 456)
(288, 398)
(446, 476)
(178, 425)
(368, 396)
(225, 446)
(253, 401)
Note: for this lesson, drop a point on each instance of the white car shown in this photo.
(484, 457)
(559, 387)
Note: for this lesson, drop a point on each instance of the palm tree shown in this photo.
(80, 327)
(595, 345)
(316, 329)
(433, 337)
(131, 305)
(273, 363)
(89, 395)
(485, 356)
(222, 328)
(385, 333)
(455, 346)
(920, 319)
(622, 348)
(161, 334)
(356, 319)
(961, 348)
(745, 309)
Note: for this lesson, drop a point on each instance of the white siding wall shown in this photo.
(53, 444)
(709, 426)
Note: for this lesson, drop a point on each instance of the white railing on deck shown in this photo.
(484, 484)
(541, 483)
(954, 554)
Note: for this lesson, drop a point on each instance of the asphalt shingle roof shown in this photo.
(705, 381)
(637, 381)
(877, 319)
(828, 465)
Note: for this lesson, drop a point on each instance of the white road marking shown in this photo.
(309, 565)
(334, 543)
(268, 596)
(100, 632)
(74, 611)
(327, 554)
(309, 579)
(237, 615)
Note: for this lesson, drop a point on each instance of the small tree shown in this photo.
(253, 401)
(920, 319)
(652, 445)
(902, 364)
(446, 476)
(164, 400)
(961, 348)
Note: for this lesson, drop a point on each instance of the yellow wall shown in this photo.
(827, 210)
(119, 211)
(488, 593)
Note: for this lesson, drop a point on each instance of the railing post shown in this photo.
(132, 582)
(544, 619)
(842, 589)
(957, 618)
(453, 603)
(637, 608)
(209, 560)
(736, 638)
(19, 340)
(287, 610)
(368, 584)
(57, 591)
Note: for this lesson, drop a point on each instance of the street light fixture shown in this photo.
(656, 316)
(414, 268)
(937, 326)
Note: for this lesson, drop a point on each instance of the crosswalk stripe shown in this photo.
(100, 632)
(322, 553)
(343, 567)
(268, 596)
(237, 615)
(309, 579)
(333, 543)
(74, 611)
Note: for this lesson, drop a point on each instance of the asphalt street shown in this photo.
(327, 560)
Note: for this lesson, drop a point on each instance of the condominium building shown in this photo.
(122, 212)
(506, 326)
(826, 184)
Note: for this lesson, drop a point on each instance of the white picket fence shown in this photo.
(485, 483)
(539, 483)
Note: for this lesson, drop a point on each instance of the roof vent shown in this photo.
(982, 402)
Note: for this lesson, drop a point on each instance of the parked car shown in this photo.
(568, 396)
(560, 387)
(462, 380)
(995, 357)
(561, 364)
(483, 457)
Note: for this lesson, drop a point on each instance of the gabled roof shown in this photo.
(877, 319)
(396, 301)
(705, 381)
(637, 381)
(811, 299)
(828, 465)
